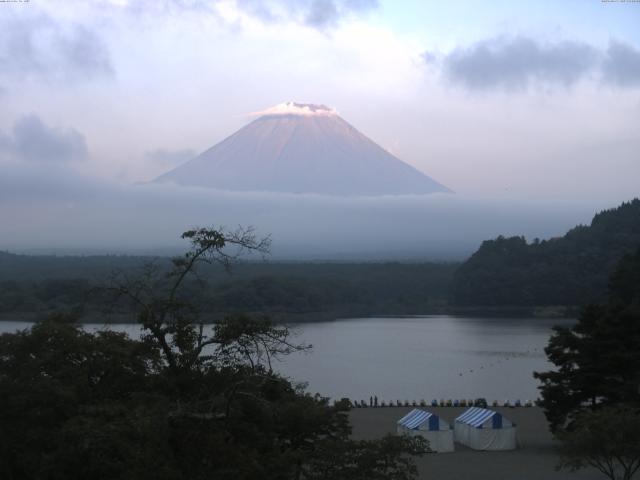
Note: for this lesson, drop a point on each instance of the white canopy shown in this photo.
(483, 429)
(429, 426)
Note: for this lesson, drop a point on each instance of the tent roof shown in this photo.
(415, 418)
(476, 416)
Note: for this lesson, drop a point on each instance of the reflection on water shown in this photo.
(412, 358)
(424, 357)
(529, 353)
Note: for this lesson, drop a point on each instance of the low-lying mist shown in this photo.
(55, 212)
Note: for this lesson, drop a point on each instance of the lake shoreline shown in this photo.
(438, 356)
(515, 312)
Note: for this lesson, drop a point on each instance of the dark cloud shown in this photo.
(33, 141)
(516, 63)
(259, 9)
(146, 8)
(322, 13)
(429, 57)
(621, 65)
(37, 47)
(170, 158)
(319, 14)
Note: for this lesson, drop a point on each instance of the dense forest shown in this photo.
(506, 272)
(285, 290)
(570, 270)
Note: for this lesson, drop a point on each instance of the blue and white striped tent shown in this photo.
(476, 417)
(429, 426)
(483, 429)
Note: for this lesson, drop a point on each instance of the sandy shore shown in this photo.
(535, 459)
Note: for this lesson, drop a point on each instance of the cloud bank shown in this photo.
(38, 47)
(50, 209)
(520, 62)
(170, 158)
(319, 14)
(622, 65)
(31, 140)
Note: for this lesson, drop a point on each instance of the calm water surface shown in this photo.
(413, 358)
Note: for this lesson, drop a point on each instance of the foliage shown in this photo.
(55, 380)
(181, 403)
(571, 270)
(36, 284)
(607, 439)
(598, 359)
(387, 459)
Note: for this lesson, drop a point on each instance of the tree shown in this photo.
(598, 359)
(570, 270)
(607, 439)
(58, 383)
(181, 403)
(169, 318)
(385, 459)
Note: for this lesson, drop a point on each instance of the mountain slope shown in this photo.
(571, 270)
(302, 149)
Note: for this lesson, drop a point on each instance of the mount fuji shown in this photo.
(302, 148)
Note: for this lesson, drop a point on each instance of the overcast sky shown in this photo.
(521, 100)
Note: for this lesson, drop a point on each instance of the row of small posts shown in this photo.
(374, 403)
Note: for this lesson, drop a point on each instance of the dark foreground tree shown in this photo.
(598, 359)
(57, 383)
(607, 439)
(168, 317)
(592, 400)
(184, 402)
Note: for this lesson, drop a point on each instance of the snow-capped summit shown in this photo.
(302, 148)
(293, 108)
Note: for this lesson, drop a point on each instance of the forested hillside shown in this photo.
(42, 284)
(570, 270)
(506, 272)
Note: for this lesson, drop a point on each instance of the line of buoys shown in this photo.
(512, 356)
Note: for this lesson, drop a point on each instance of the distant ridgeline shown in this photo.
(570, 270)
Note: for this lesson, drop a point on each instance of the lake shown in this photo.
(413, 358)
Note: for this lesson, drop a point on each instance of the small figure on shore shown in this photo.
(371, 401)
(375, 401)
